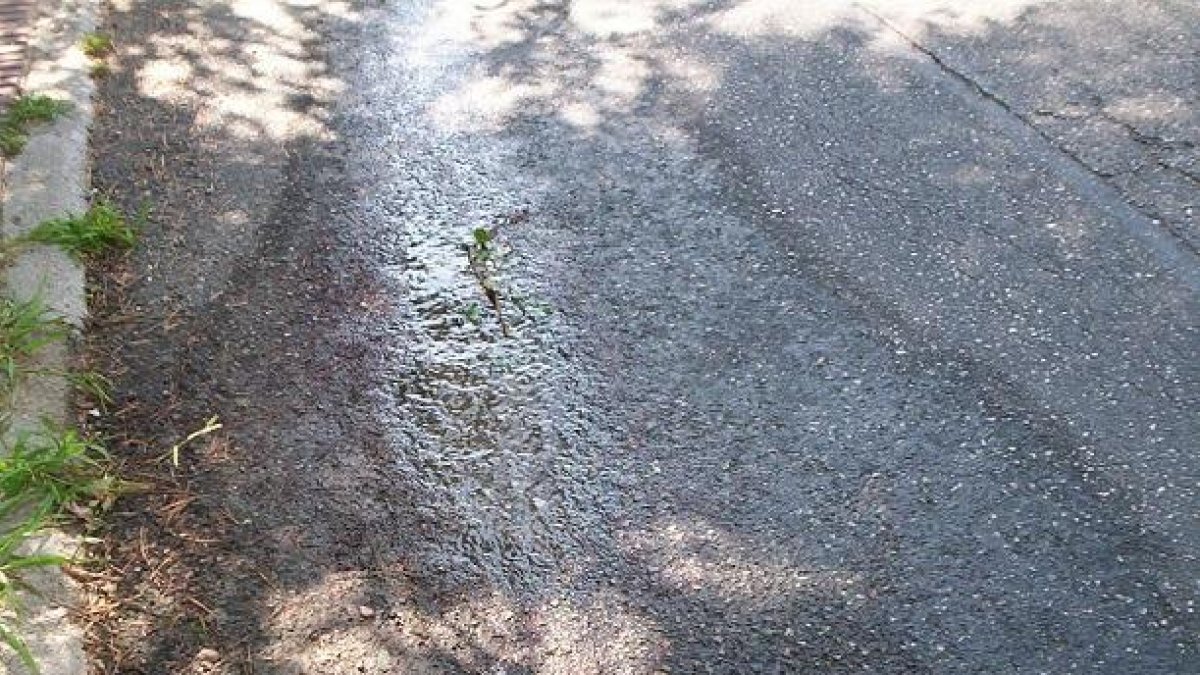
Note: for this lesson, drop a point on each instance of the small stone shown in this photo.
(365, 612)
(208, 655)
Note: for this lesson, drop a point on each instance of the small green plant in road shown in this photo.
(484, 256)
(23, 113)
(100, 228)
(473, 314)
(483, 240)
(531, 308)
(97, 45)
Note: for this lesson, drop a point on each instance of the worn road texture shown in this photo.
(840, 337)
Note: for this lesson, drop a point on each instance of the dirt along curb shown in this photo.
(49, 179)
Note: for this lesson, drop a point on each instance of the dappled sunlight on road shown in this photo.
(805, 353)
(956, 15)
(619, 18)
(234, 83)
(383, 619)
(245, 83)
(841, 134)
(588, 81)
(809, 18)
(382, 624)
(485, 103)
(701, 557)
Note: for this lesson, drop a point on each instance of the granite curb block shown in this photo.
(50, 179)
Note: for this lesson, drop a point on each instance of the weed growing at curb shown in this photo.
(96, 45)
(44, 476)
(50, 473)
(95, 386)
(100, 228)
(25, 327)
(23, 113)
(12, 564)
(53, 470)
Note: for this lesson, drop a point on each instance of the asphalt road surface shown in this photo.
(832, 336)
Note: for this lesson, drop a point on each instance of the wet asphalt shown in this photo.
(828, 342)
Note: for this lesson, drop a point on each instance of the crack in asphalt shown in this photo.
(986, 94)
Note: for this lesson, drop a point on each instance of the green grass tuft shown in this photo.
(47, 475)
(100, 70)
(41, 476)
(12, 140)
(37, 108)
(97, 45)
(25, 327)
(49, 470)
(98, 230)
(13, 564)
(21, 114)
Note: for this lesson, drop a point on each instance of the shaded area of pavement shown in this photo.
(848, 368)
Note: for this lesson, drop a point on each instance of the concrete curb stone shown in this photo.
(50, 178)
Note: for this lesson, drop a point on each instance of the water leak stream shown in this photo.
(486, 424)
